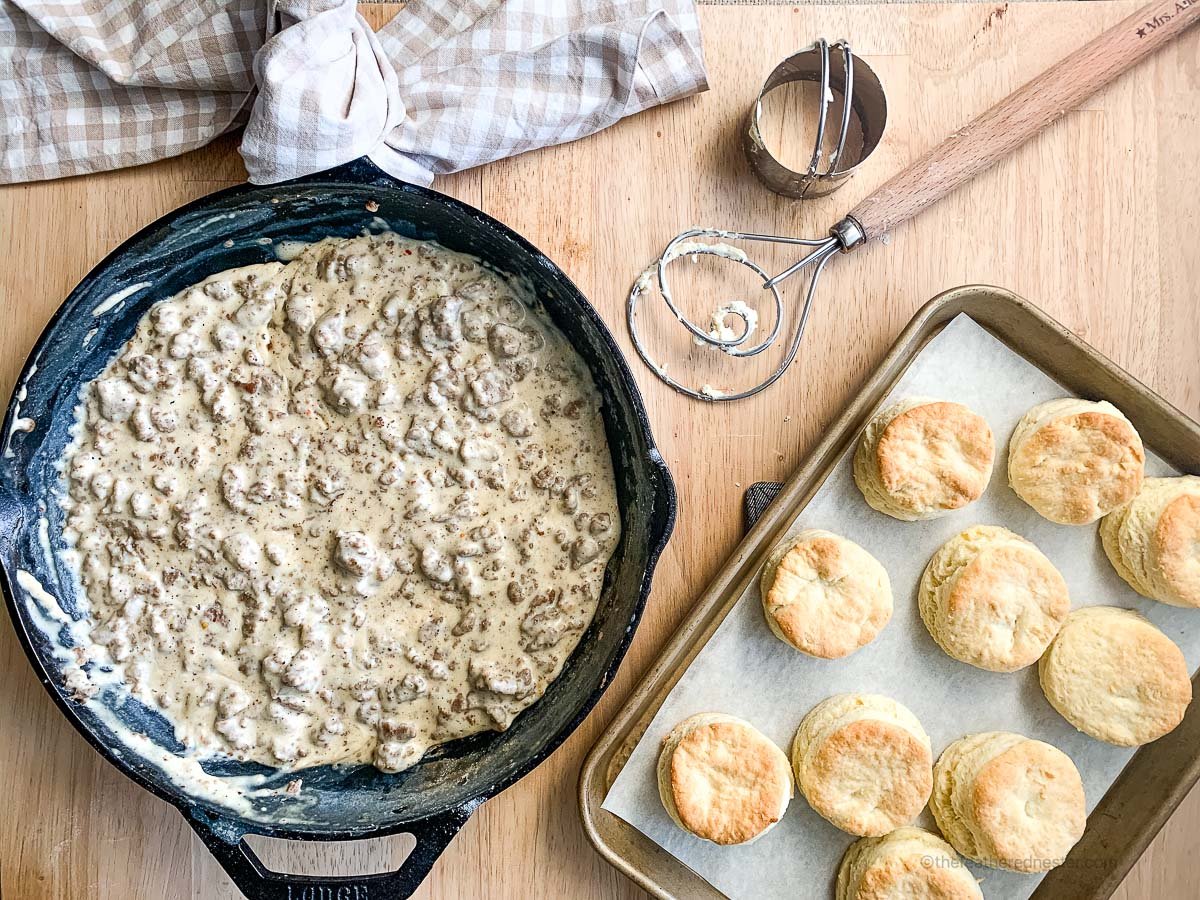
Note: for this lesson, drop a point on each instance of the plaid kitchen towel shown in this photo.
(89, 85)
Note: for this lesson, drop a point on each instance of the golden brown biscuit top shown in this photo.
(869, 776)
(1075, 468)
(1177, 540)
(1029, 803)
(1114, 675)
(1011, 590)
(845, 607)
(935, 456)
(922, 876)
(728, 782)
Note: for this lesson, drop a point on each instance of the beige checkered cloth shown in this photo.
(89, 85)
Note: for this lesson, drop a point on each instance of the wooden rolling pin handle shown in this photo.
(1022, 114)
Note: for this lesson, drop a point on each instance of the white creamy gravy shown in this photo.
(340, 510)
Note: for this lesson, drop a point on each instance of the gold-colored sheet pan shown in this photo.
(1156, 779)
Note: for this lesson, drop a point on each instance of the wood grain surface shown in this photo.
(1095, 221)
(994, 134)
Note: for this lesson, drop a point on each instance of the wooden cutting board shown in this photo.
(1095, 221)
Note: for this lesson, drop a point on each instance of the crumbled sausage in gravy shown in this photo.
(341, 510)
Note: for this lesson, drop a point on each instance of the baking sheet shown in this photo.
(746, 670)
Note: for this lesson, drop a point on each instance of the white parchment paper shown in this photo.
(747, 671)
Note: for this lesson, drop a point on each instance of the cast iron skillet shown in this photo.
(434, 799)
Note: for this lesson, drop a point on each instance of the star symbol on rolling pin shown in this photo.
(1141, 32)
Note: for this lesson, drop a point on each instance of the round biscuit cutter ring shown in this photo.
(854, 89)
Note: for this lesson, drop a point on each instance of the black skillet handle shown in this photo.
(258, 882)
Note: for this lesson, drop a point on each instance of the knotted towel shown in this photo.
(90, 85)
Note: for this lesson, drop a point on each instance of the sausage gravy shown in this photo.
(340, 510)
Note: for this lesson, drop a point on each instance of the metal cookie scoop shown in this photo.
(964, 154)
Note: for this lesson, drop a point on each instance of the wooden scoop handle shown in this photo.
(1022, 114)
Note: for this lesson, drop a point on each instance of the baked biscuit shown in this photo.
(921, 458)
(991, 599)
(1154, 540)
(863, 762)
(824, 594)
(1075, 460)
(1113, 675)
(1008, 801)
(722, 780)
(909, 863)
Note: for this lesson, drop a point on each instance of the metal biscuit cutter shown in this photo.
(855, 88)
(968, 151)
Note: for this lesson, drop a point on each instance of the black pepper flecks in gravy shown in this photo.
(341, 510)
